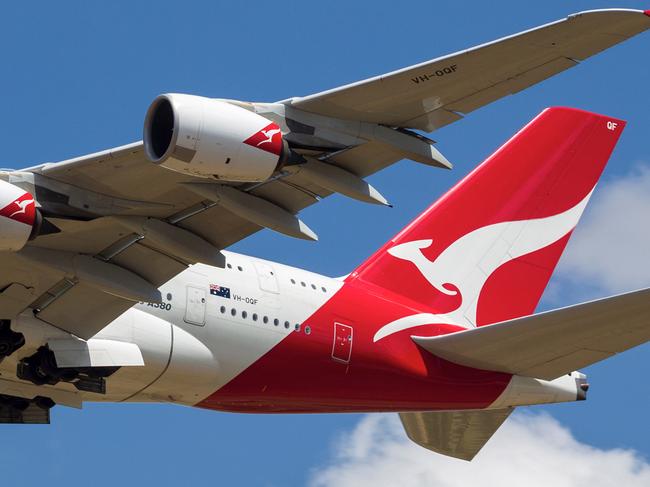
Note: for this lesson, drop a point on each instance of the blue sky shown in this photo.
(78, 77)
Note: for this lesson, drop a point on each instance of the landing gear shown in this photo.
(10, 341)
(28, 411)
(41, 369)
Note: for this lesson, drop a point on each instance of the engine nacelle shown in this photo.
(212, 139)
(19, 219)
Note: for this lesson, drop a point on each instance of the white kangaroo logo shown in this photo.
(469, 261)
(22, 205)
(269, 134)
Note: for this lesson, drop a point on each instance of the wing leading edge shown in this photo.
(435, 93)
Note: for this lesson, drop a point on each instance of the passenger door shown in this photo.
(342, 346)
(195, 305)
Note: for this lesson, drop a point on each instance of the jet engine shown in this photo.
(20, 221)
(212, 139)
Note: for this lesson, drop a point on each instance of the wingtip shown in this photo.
(646, 12)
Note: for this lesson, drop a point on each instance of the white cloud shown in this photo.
(610, 249)
(529, 449)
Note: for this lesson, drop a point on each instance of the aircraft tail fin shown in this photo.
(484, 252)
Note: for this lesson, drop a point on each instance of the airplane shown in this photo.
(116, 285)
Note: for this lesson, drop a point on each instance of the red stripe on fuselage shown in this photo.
(300, 375)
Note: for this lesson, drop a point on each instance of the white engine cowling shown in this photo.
(211, 138)
(19, 219)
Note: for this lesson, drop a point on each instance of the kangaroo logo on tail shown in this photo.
(465, 266)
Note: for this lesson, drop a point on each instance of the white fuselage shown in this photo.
(197, 340)
(215, 323)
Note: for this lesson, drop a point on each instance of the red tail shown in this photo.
(485, 251)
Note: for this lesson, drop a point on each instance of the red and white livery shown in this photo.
(116, 285)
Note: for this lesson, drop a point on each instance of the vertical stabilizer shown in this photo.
(484, 252)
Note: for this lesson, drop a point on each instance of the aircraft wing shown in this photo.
(548, 345)
(127, 225)
(47, 276)
(435, 93)
(458, 434)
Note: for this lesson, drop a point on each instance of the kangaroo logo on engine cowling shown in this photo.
(21, 209)
(268, 139)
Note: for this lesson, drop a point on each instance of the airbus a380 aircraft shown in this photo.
(115, 285)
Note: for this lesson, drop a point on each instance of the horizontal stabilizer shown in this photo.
(458, 434)
(550, 344)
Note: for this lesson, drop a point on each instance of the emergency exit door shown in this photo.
(195, 305)
(266, 276)
(342, 347)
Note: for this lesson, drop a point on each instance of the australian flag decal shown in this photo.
(221, 291)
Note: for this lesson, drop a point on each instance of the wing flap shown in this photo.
(71, 352)
(458, 434)
(550, 344)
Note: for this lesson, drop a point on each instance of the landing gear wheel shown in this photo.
(20, 404)
(6, 347)
(10, 341)
(44, 402)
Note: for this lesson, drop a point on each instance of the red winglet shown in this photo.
(647, 12)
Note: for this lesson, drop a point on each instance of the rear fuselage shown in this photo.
(258, 336)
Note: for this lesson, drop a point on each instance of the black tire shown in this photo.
(44, 402)
(20, 404)
(6, 346)
(19, 341)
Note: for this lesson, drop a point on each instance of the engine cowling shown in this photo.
(19, 219)
(211, 138)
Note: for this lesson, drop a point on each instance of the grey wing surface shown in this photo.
(435, 93)
(44, 277)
